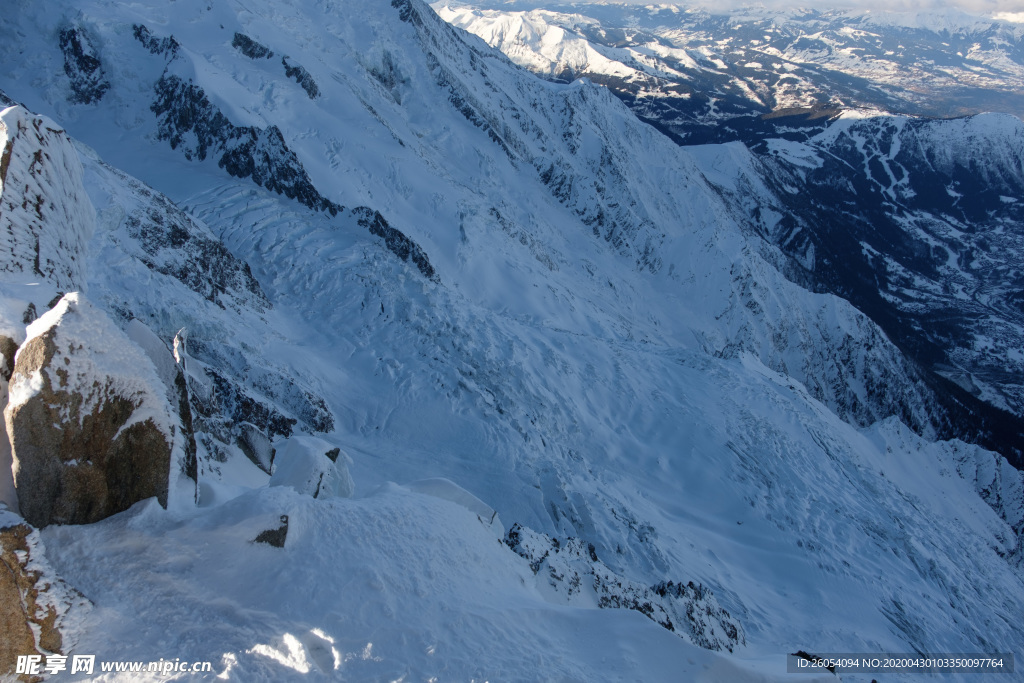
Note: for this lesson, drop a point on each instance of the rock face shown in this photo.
(90, 426)
(34, 604)
(82, 66)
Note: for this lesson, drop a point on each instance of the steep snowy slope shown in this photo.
(862, 208)
(552, 309)
(422, 100)
(917, 222)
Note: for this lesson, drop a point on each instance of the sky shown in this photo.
(1008, 10)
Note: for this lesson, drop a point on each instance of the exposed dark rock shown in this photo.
(299, 74)
(78, 456)
(8, 347)
(185, 416)
(250, 48)
(275, 537)
(83, 67)
(175, 246)
(188, 120)
(264, 156)
(254, 50)
(167, 47)
(806, 656)
(689, 610)
(388, 73)
(395, 240)
(406, 11)
(241, 412)
(18, 609)
(169, 241)
(225, 405)
(276, 387)
(16, 600)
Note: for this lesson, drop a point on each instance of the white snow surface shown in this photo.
(158, 353)
(302, 464)
(45, 217)
(652, 389)
(535, 41)
(445, 489)
(393, 586)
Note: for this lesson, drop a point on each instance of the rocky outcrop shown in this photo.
(298, 73)
(91, 430)
(167, 46)
(571, 571)
(8, 347)
(255, 50)
(172, 244)
(395, 240)
(221, 403)
(257, 446)
(34, 603)
(82, 66)
(274, 537)
(190, 122)
(251, 48)
(1000, 485)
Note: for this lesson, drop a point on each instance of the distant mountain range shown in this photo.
(704, 76)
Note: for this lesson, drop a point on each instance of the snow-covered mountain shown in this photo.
(918, 222)
(715, 76)
(365, 228)
(890, 213)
